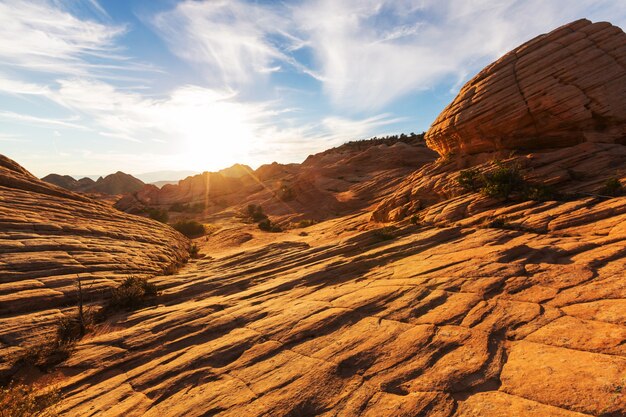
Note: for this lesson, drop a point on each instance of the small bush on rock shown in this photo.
(613, 187)
(194, 251)
(502, 181)
(189, 228)
(267, 226)
(132, 293)
(255, 213)
(160, 215)
(469, 179)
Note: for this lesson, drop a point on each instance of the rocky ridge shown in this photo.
(117, 183)
(327, 184)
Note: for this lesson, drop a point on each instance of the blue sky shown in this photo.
(92, 87)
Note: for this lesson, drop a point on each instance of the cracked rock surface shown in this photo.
(437, 320)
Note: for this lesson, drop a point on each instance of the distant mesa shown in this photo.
(557, 90)
(118, 183)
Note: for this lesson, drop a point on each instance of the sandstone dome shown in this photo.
(559, 89)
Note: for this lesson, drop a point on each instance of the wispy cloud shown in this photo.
(5, 137)
(69, 57)
(372, 52)
(40, 36)
(18, 87)
(233, 41)
(367, 53)
(28, 119)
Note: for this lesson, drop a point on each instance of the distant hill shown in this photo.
(118, 183)
(63, 181)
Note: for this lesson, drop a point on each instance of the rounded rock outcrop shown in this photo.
(557, 90)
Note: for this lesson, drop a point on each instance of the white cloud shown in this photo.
(367, 53)
(40, 36)
(5, 137)
(18, 87)
(210, 128)
(234, 42)
(70, 123)
(372, 52)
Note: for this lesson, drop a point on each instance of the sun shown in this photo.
(214, 133)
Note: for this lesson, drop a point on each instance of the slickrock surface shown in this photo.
(559, 89)
(432, 320)
(49, 236)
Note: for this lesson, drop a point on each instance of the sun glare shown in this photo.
(214, 132)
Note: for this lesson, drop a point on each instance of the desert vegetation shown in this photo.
(362, 144)
(23, 400)
(132, 293)
(613, 187)
(189, 228)
(254, 214)
(158, 214)
(504, 181)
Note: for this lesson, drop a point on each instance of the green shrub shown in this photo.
(613, 187)
(132, 293)
(470, 179)
(500, 223)
(194, 251)
(45, 356)
(385, 233)
(197, 208)
(20, 400)
(69, 329)
(255, 213)
(267, 226)
(502, 181)
(540, 192)
(304, 223)
(179, 207)
(160, 215)
(189, 228)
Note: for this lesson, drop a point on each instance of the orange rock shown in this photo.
(559, 89)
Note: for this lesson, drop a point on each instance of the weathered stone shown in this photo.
(559, 89)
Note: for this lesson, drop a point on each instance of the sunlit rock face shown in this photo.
(49, 236)
(559, 89)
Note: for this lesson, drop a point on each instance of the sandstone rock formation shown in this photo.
(559, 89)
(49, 236)
(479, 307)
(438, 320)
(118, 183)
(327, 184)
